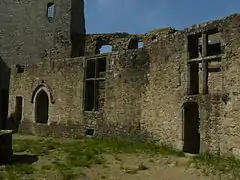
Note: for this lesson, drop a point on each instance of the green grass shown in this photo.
(67, 157)
(16, 172)
(213, 163)
(79, 153)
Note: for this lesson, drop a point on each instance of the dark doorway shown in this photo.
(4, 92)
(191, 128)
(41, 107)
(4, 95)
(19, 108)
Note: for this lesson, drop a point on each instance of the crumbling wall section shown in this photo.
(118, 41)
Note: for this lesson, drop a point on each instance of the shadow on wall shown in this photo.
(77, 27)
(13, 122)
(4, 92)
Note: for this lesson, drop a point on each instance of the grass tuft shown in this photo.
(16, 172)
(212, 163)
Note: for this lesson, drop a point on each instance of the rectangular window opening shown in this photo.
(95, 84)
(214, 65)
(89, 132)
(19, 107)
(101, 67)
(100, 93)
(214, 43)
(20, 68)
(91, 64)
(194, 46)
(194, 78)
(89, 96)
(50, 10)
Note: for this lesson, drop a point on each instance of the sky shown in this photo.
(140, 16)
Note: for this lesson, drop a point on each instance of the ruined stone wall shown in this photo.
(162, 100)
(118, 41)
(26, 35)
(230, 139)
(145, 89)
(63, 81)
(162, 112)
(125, 83)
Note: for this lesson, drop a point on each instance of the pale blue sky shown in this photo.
(140, 16)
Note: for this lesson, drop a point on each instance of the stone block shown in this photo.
(6, 151)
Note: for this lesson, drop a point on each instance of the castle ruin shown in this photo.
(181, 87)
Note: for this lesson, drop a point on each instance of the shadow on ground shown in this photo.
(24, 159)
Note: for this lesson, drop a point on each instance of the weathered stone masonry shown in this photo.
(181, 88)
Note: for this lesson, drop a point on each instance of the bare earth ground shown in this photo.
(38, 158)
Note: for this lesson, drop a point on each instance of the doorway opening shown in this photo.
(19, 108)
(4, 96)
(191, 121)
(41, 107)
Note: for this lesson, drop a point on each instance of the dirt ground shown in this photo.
(116, 166)
(162, 168)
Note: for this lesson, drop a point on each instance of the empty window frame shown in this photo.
(50, 10)
(193, 79)
(194, 46)
(213, 42)
(94, 95)
(205, 44)
(202, 50)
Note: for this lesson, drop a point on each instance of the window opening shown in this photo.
(105, 49)
(194, 78)
(89, 132)
(214, 44)
(50, 11)
(140, 44)
(20, 68)
(203, 49)
(95, 84)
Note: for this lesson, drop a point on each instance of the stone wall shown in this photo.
(62, 80)
(229, 137)
(126, 81)
(167, 91)
(145, 89)
(118, 41)
(28, 35)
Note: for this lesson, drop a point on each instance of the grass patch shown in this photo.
(66, 172)
(212, 163)
(66, 157)
(16, 172)
(40, 147)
